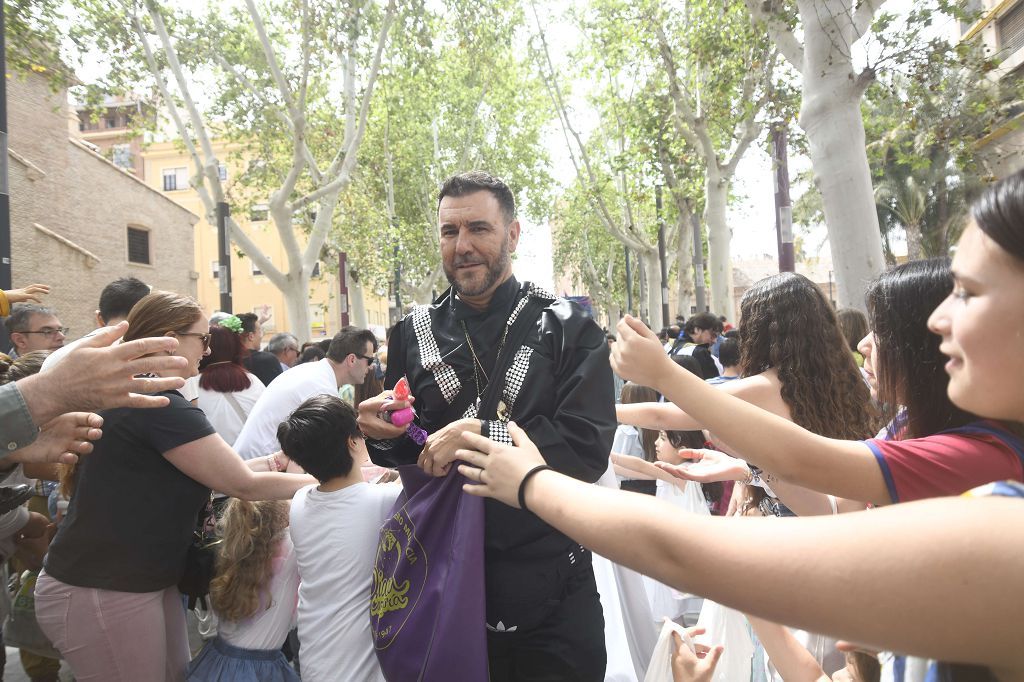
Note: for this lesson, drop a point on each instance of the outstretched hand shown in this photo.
(63, 439)
(97, 375)
(638, 356)
(708, 466)
(30, 293)
(496, 469)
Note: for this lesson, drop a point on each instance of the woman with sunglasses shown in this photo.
(107, 598)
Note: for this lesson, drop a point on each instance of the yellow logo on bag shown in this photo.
(387, 595)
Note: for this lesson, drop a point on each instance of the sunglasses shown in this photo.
(370, 359)
(204, 338)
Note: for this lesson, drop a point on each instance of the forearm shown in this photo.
(802, 501)
(775, 444)
(269, 486)
(656, 416)
(43, 399)
(794, 662)
(961, 565)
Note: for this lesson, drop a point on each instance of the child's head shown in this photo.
(322, 437)
(251, 532)
(669, 443)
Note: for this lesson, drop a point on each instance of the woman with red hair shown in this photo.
(227, 391)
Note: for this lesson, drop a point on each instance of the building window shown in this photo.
(222, 172)
(215, 268)
(1010, 28)
(138, 246)
(175, 179)
(972, 8)
(256, 272)
(316, 270)
(121, 155)
(111, 121)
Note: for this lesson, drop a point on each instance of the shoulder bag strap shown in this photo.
(238, 408)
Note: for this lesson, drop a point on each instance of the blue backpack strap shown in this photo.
(984, 428)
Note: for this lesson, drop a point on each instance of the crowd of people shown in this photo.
(654, 502)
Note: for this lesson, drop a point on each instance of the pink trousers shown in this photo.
(114, 636)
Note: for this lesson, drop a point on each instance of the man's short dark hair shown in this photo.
(350, 340)
(248, 322)
(729, 353)
(464, 184)
(703, 321)
(316, 436)
(119, 297)
(21, 314)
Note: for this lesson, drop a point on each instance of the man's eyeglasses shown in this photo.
(49, 331)
(370, 359)
(205, 338)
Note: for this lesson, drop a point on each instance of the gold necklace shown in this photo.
(476, 360)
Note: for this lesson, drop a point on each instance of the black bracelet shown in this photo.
(522, 484)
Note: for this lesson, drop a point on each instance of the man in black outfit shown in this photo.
(261, 363)
(544, 617)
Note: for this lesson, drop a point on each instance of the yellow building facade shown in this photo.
(167, 169)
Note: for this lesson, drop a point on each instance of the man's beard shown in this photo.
(495, 271)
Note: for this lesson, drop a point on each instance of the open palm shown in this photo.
(708, 466)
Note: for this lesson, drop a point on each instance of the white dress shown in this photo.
(665, 601)
(629, 635)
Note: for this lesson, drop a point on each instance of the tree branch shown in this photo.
(252, 250)
(694, 131)
(781, 34)
(864, 15)
(268, 51)
(350, 147)
(285, 118)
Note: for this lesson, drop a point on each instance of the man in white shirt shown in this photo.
(349, 358)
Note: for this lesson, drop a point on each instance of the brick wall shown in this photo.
(83, 198)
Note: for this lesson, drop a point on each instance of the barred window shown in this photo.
(138, 246)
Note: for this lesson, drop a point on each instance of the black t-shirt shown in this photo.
(130, 521)
(264, 365)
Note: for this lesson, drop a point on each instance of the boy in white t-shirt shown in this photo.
(334, 527)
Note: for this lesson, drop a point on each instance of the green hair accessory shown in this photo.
(233, 323)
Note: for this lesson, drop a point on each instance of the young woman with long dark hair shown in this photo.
(794, 363)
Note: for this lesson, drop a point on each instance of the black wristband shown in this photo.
(522, 484)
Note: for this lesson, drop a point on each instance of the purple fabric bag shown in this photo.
(427, 611)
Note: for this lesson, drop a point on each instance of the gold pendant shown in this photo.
(502, 411)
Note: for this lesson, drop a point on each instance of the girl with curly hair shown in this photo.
(794, 363)
(254, 593)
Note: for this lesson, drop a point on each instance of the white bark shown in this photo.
(652, 289)
(356, 300)
(716, 196)
(830, 116)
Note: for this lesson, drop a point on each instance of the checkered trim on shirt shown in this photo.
(498, 432)
(515, 376)
(430, 355)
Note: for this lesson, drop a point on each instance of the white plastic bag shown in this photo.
(727, 627)
(660, 667)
